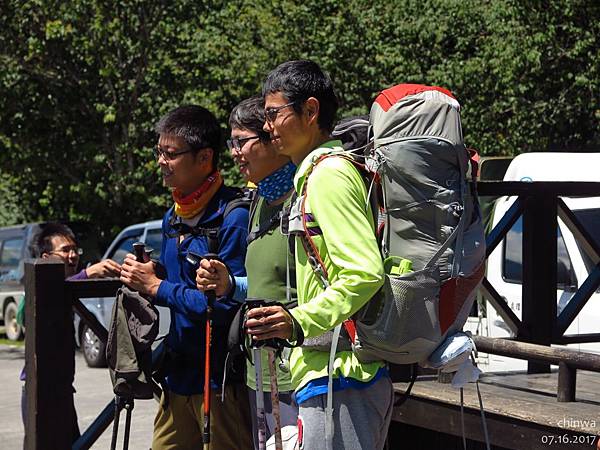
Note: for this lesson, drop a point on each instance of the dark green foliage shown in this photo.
(83, 82)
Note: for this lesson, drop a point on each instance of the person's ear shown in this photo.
(204, 155)
(311, 107)
(45, 255)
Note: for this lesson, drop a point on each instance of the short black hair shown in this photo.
(299, 80)
(249, 115)
(41, 242)
(196, 125)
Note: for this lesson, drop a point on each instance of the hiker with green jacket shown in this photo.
(300, 107)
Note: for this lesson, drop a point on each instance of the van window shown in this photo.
(10, 256)
(590, 218)
(124, 247)
(512, 262)
(154, 241)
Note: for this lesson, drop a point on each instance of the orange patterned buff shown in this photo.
(191, 204)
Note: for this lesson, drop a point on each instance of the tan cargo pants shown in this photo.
(179, 426)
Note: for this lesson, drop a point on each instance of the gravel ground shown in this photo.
(94, 392)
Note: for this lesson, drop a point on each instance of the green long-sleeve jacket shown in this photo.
(337, 200)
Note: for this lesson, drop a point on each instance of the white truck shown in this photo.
(504, 268)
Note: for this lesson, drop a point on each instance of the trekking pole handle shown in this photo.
(139, 250)
(194, 259)
(211, 295)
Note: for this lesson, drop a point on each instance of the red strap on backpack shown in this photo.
(309, 246)
(474, 162)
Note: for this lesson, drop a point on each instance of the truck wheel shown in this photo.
(94, 350)
(14, 331)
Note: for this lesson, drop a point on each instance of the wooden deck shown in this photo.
(521, 410)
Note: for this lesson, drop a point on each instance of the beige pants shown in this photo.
(179, 426)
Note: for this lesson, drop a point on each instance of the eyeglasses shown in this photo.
(168, 156)
(271, 113)
(67, 251)
(237, 143)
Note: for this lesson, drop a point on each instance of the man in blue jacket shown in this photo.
(187, 153)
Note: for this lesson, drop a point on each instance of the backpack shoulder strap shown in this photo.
(243, 198)
(313, 256)
(278, 218)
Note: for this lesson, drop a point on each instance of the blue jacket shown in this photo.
(188, 305)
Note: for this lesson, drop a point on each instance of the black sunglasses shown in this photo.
(271, 113)
(238, 143)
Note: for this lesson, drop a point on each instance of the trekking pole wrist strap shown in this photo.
(232, 282)
(297, 338)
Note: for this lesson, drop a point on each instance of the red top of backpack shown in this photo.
(390, 96)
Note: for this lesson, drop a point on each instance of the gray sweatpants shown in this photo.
(361, 418)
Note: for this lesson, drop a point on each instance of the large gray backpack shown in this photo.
(431, 233)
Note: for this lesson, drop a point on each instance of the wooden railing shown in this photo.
(50, 300)
(50, 352)
(568, 361)
(540, 204)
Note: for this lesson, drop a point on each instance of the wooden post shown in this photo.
(567, 382)
(49, 357)
(539, 273)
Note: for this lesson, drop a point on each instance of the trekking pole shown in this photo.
(211, 297)
(115, 431)
(194, 259)
(260, 400)
(129, 409)
(275, 400)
